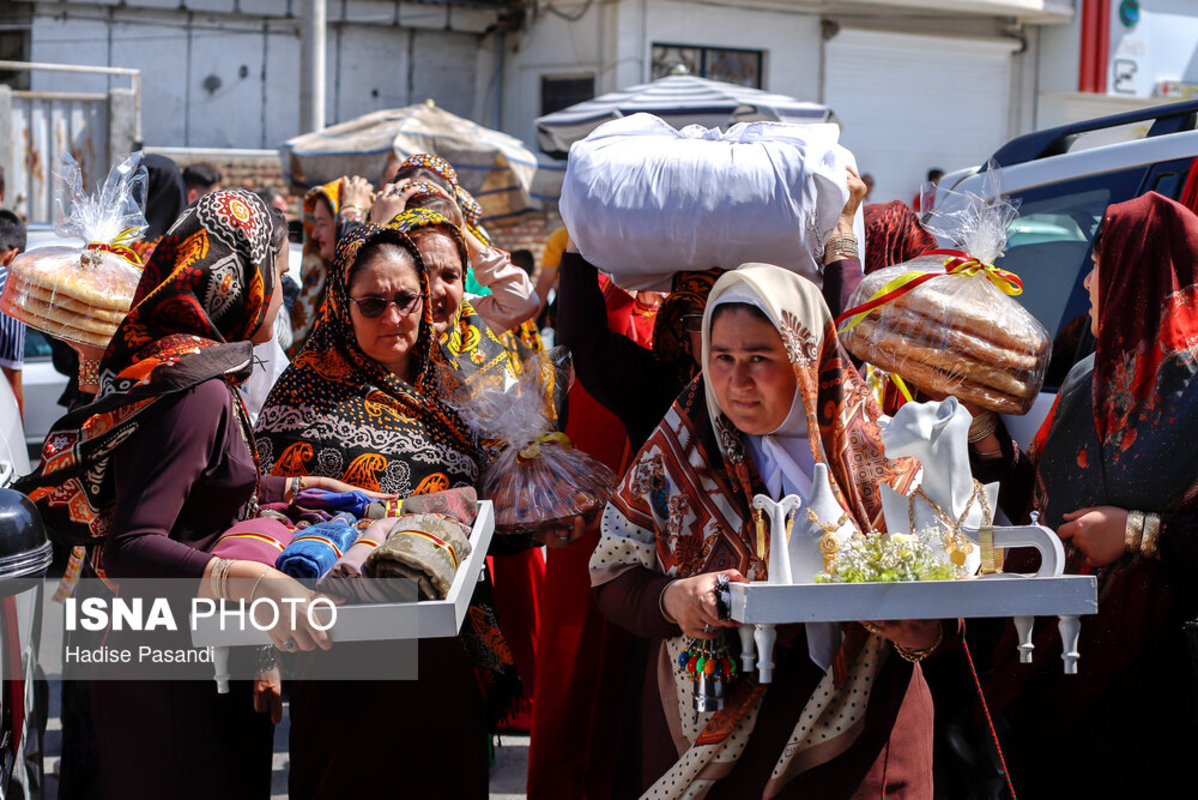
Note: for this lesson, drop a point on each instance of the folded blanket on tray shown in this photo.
(315, 550)
(461, 504)
(424, 547)
(261, 539)
(354, 502)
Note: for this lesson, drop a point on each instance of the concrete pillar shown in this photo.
(312, 65)
(122, 123)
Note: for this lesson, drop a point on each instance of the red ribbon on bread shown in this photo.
(956, 262)
(118, 247)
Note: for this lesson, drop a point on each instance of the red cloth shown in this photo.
(581, 655)
(893, 235)
(519, 582)
(582, 690)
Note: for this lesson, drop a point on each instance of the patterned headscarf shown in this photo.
(472, 212)
(313, 269)
(684, 509)
(337, 412)
(204, 293)
(671, 343)
(893, 235)
(431, 163)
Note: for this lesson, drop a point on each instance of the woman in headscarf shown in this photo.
(501, 292)
(510, 298)
(156, 469)
(1114, 471)
(363, 401)
(330, 211)
(778, 402)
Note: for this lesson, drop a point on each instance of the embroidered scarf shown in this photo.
(893, 235)
(203, 294)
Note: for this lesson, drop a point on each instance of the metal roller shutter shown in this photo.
(909, 103)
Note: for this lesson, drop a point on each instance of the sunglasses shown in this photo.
(692, 323)
(373, 307)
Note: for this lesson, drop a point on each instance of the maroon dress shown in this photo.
(180, 482)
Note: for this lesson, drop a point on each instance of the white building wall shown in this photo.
(612, 41)
(372, 62)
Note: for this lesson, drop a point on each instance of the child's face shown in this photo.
(7, 256)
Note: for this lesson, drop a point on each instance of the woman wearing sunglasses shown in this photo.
(364, 398)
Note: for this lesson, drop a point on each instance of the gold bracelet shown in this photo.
(869, 626)
(1150, 543)
(1133, 532)
(982, 426)
(989, 453)
(915, 656)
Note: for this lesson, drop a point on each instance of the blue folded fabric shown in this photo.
(315, 550)
(354, 502)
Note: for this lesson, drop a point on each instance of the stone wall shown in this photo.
(528, 231)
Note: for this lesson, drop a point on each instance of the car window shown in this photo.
(37, 346)
(1048, 247)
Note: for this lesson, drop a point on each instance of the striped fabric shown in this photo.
(12, 335)
(678, 99)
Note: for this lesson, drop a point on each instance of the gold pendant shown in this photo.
(829, 545)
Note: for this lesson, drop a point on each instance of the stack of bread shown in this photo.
(76, 295)
(953, 335)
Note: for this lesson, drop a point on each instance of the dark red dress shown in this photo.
(180, 481)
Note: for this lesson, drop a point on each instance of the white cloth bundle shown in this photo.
(643, 200)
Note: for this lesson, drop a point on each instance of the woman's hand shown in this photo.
(293, 601)
(268, 694)
(857, 192)
(909, 634)
(334, 485)
(355, 191)
(560, 538)
(691, 603)
(1100, 533)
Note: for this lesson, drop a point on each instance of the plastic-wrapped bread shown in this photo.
(538, 479)
(953, 334)
(82, 295)
(77, 295)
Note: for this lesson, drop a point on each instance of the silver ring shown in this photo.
(707, 628)
(289, 644)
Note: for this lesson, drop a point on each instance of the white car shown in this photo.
(1063, 186)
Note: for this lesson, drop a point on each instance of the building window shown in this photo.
(559, 93)
(731, 65)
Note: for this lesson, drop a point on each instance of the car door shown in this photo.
(1049, 249)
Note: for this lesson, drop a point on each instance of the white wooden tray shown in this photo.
(426, 619)
(761, 606)
(1004, 595)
